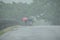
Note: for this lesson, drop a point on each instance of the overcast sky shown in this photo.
(10, 1)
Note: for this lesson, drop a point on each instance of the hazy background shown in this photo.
(44, 12)
(46, 15)
(23, 1)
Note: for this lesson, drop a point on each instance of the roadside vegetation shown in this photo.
(6, 30)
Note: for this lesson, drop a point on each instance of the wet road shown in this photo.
(33, 33)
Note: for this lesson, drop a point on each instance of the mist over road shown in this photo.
(33, 33)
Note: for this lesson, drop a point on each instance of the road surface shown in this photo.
(33, 33)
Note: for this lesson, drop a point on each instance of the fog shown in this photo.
(17, 1)
(29, 19)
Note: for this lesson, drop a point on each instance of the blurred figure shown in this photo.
(25, 19)
(30, 21)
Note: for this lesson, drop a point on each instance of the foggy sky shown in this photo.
(10, 1)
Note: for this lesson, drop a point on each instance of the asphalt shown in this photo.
(33, 33)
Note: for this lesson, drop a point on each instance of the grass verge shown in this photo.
(6, 30)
